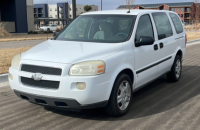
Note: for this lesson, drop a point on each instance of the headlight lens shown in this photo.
(15, 61)
(88, 68)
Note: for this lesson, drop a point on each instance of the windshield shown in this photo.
(99, 28)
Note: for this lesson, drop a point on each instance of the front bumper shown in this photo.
(98, 88)
(57, 102)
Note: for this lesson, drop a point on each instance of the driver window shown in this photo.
(124, 25)
(144, 28)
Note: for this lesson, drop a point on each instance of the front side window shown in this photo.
(99, 28)
(177, 23)
(163, 25)
(144, 27)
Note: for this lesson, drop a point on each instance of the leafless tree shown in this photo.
(195, 13)
(128, 4)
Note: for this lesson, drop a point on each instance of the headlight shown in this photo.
(88, 68)
(15, 61)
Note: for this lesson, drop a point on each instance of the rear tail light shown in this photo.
(185, 39)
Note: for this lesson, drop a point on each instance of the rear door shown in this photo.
(166, 40)
(146, 57)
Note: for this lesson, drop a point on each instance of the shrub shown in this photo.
(59, 29)
(35, 32)
(3, 32)
(32, 32)
(87, 8)
(48, 32)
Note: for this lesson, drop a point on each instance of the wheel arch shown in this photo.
(126, 70)
(180, 53)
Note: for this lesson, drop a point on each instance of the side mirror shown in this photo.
(144, 41)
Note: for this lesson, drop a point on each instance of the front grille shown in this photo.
(40, 84)
(42, 70)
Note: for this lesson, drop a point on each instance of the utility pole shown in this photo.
(101, 4)
(74, 8)
(47, 17)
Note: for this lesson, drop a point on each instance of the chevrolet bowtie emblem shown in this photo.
(37, 76)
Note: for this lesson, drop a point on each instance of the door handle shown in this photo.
(156, 47)
(161, 45)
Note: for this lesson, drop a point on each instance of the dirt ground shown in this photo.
(22, 37)
(6, 56)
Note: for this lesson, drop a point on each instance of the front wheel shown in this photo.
(121, 96)
(176, 70)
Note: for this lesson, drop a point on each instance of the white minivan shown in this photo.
(100, 59)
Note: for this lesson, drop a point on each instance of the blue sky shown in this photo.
(111, 4)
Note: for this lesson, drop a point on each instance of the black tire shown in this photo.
(48, 30)
(173, 75)
(113, 108)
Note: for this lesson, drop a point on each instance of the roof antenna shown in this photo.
(129, 6)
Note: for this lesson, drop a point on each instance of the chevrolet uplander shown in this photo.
(100, 59)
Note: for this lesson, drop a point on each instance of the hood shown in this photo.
(70, 52)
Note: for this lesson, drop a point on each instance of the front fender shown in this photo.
(117, 63)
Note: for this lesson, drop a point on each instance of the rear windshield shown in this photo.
(99, 28)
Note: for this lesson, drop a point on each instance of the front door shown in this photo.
(146, 57)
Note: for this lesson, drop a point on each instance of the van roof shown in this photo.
(124, 12)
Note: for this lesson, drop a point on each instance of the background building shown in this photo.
(53, 11)
(80, 9)
(17, 15)
(182, 9)
(60, 13)
(40, 10)
(59, 10)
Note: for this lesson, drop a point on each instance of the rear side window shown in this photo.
(144, 27)
(163, 25)
(177, 23)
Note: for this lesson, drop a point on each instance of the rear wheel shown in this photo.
(176, 70)
(48, 30)
(121, 96)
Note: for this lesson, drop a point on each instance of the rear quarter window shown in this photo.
(163, 25)
(177, 23)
